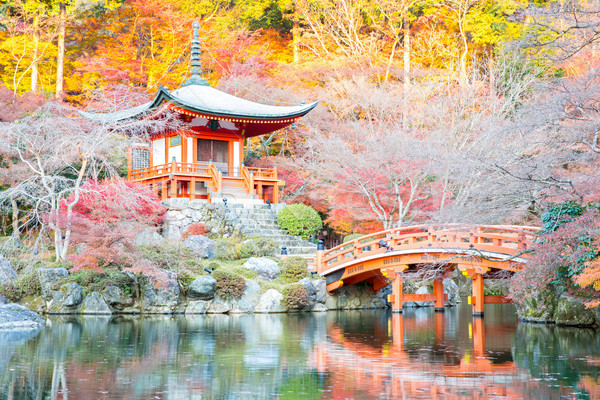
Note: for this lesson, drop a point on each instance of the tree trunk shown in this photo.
(406, 42)
(296, 35)
(34, 63)
(15, 218)
(60, 59)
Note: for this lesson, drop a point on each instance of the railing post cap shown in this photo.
(284, 250)
(320, 245)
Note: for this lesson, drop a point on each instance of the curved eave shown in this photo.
(163, 95)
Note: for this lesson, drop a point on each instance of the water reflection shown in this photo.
(340, 355)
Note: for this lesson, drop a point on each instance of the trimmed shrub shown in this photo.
(352, 236)
(229, 285)
(195, 229)
(245, 272)
(300, 220)
(293, 269)
(295, 297)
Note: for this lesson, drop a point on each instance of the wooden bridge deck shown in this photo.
(478, 251)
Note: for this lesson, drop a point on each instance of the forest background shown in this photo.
(467, 111)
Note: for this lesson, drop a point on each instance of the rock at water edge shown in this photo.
(161, 297)
(572, 312)
(15, 316)
(49, 277)
(270, 302)
(202, 288)
(94, 304)
(66, 299)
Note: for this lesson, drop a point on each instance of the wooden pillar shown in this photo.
(397, 292)
(184, 149)
(438, 291)
(163, 190)
(319, 256)
(173, 193)
(192, 188)
(194, 151)
(129, 162)
(478, 298)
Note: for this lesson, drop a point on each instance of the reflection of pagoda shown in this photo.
(206, 160)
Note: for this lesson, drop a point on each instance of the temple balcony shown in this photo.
(209, 181)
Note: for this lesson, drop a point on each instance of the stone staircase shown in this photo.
(260, 219)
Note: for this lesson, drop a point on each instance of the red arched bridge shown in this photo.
(489, 251)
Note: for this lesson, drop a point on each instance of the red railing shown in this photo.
(503, 239)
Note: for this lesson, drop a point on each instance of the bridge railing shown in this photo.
(503, 239)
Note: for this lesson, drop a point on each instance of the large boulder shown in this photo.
(311, 290)
(15, 316)
(94, 304)
(197, 307)
(161, 296)
(116, 298)
(266, 268)
(270, 302)
(66, 299)
(248, 301)
(572, 312)
(7, 273)
(202, 288)
(202, 246)
(321, 288)
(453, 292)
(355, 297)
(539, 308)
(245, 304)
(319, 307)
(49, 277)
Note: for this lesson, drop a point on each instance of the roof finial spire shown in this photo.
(196, 70)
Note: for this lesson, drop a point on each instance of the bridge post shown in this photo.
(438, 291)
(319, 255)
(478, 295)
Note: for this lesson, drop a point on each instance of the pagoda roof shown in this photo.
(208, 101)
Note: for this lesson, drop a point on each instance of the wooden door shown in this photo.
(216, 151)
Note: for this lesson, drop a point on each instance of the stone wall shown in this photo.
(169, 297)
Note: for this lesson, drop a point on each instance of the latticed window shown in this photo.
(140, 158)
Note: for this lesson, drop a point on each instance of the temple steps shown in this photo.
(261, 220)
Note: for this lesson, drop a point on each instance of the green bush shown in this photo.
(352, 236)
(237, 249)
(27, 285)
(295, 297)
(185, 278)
(245, 272)
(172, 257)
(293, 269)
(92, 281)
(229, 285)
(227, 248)
(299, 219)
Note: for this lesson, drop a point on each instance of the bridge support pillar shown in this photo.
(397, 292)
(438, 291)
(478, 299)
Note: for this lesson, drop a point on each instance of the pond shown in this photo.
(336, 355)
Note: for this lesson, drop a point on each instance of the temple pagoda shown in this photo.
(206, 159)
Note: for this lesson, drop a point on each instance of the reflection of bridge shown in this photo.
(394, 370)
(491, 251)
